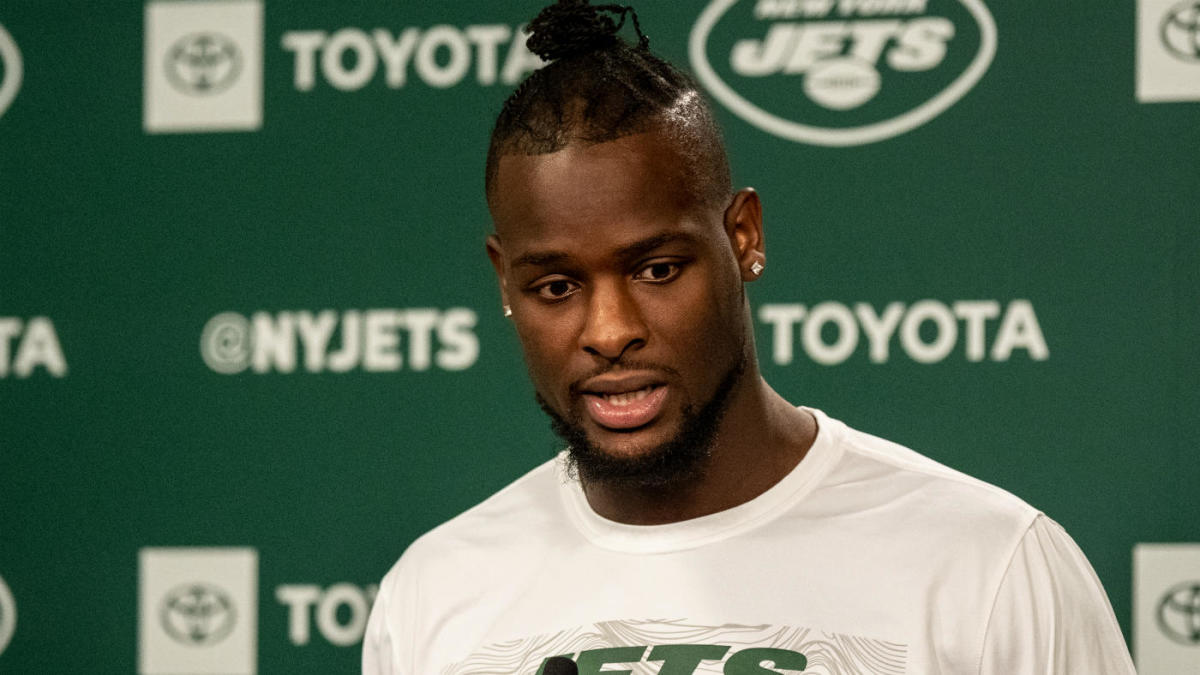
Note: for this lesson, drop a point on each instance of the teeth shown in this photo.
(628, 397)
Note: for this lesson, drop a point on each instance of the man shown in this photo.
(699, 523)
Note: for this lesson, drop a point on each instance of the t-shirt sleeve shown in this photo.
(388, 643)
(377, 641)
(1051, 615)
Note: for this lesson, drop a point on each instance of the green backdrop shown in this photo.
(1047, 181)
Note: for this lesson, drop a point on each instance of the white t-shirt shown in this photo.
(866, 558)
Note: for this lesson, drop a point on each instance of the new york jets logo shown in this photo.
(841, 72)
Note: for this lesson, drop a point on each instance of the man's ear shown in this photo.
(743, 226)
(496, 254)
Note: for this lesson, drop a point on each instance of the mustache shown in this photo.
(576, 387)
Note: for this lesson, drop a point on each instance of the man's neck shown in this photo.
(761, 439)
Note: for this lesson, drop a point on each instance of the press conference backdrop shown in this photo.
(251, 347)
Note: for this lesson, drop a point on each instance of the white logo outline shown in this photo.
(8, 615)
(860, 135)
(10, 55)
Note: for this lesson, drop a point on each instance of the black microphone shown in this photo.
(560, 665)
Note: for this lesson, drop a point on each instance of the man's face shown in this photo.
(626, 292)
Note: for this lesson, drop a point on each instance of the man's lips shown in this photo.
(626, 401)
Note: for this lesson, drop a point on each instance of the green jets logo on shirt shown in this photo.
(685, 659)
(686, 647)
(841, 72)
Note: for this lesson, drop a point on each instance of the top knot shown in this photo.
(573, 27)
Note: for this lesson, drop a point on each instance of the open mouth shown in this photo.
(628, 397)
(626, 409)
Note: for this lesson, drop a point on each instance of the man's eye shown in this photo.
(662, 271)
(556, 290)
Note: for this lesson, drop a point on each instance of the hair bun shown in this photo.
(572, 27)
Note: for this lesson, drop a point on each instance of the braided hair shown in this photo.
(597, 88)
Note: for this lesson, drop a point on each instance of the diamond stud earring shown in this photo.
(757, 268)
(507, 310)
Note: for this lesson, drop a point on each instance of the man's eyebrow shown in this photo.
(640, 248)
(625, 253)
(540, 259)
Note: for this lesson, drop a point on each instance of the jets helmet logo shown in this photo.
(841, 72)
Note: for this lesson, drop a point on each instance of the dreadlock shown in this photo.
(597, 88)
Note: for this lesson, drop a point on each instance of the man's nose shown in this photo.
(615, 324)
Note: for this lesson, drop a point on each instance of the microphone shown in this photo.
(559, 665)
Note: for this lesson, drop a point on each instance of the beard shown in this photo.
(680, 459)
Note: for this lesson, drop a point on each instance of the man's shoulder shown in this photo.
(888, 473)
(512, 519)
